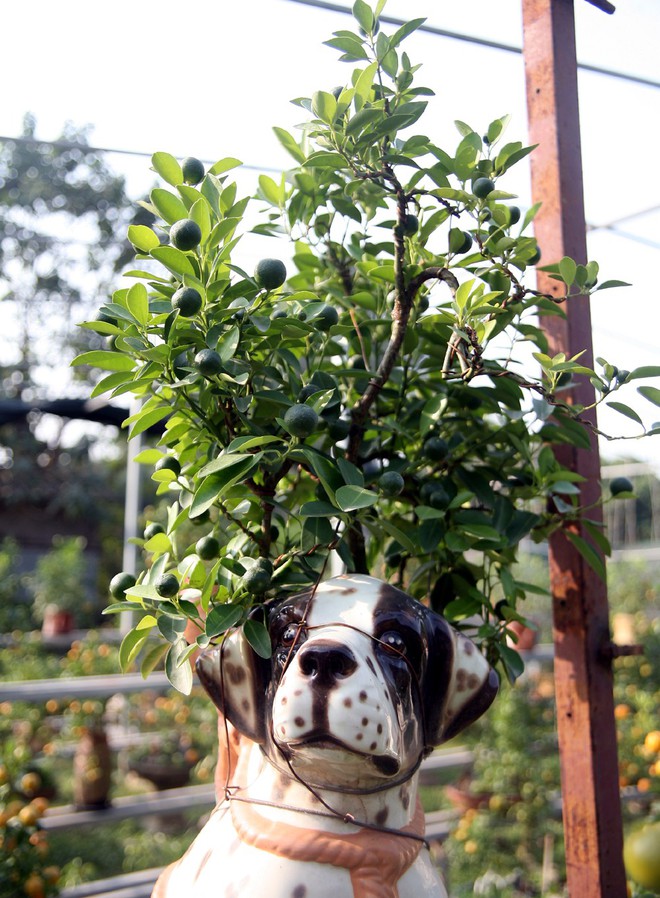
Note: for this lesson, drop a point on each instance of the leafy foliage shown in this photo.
(404, 332)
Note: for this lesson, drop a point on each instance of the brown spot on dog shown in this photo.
(359, 737)
(365, 721)
(245, 705)
(472, 681)
(299, 891)
(348, 702)
(379, 728)
(404, 796)
(468, 647)
(461, 680)
(298, 692)
(283, 700)
(373, 746)
(381, 816)
(299, 722)
(363, 696)
(235, 673)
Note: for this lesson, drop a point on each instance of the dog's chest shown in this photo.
(243, 870)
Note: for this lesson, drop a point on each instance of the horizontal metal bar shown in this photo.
(165, 802)
(126, 885)
(81, 687)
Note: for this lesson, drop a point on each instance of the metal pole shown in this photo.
(583, 650)
(132, 509)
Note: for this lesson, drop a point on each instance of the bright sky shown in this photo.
(211, 79)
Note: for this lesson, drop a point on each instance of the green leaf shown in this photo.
(567, 270)
(228, 344)
(177, 667)
(258, 637)
(607, 285)
(644, 371)
(325, 469)
(625, 410)
(404, 31)
(224, 165)
(289, 144)
(158, 543)
(323, 159)
(317, 510)
(272, 191)
(513, 663)
(137, 301)
(143, 238)
(216, 484)
(587, 551)
(143, 421)
(168, 168)
(350, 46)
(199, 213)
(650, 393)
(352, 498)
(109, 361)
(221, 618)
(365, 17)
(228, 460)
(432, 412)
(130, 647)
(398, 535)
(152, 659)
(352, 475)
(324, 106)
(364, 83)
(170, 208)
(173, 259)
(172, 627)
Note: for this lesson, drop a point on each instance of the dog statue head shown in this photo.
(363, 682)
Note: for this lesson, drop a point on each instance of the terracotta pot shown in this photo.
(56, 622)
(527, 637)
(465, 800)
(92, 770)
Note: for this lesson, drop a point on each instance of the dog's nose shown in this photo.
(326, 661)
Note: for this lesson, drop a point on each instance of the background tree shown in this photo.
(63, 217)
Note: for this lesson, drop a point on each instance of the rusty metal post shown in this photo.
(583, 676)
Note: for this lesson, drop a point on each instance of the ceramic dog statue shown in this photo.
(363, 683)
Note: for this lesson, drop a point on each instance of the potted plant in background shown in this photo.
(386, 398)
(93, 761)
(59, 588)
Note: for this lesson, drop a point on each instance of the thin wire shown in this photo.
(86, 148)
(480, 41)
(333, 815)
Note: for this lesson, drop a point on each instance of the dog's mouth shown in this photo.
(386, 765)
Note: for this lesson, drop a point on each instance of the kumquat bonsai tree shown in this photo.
(379, 391)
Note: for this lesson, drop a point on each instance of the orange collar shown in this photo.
(376, 860)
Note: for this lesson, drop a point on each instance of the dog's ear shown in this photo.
(459, 684)
(237, 679)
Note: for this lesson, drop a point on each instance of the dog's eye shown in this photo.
(394, 642)
(294, 633)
